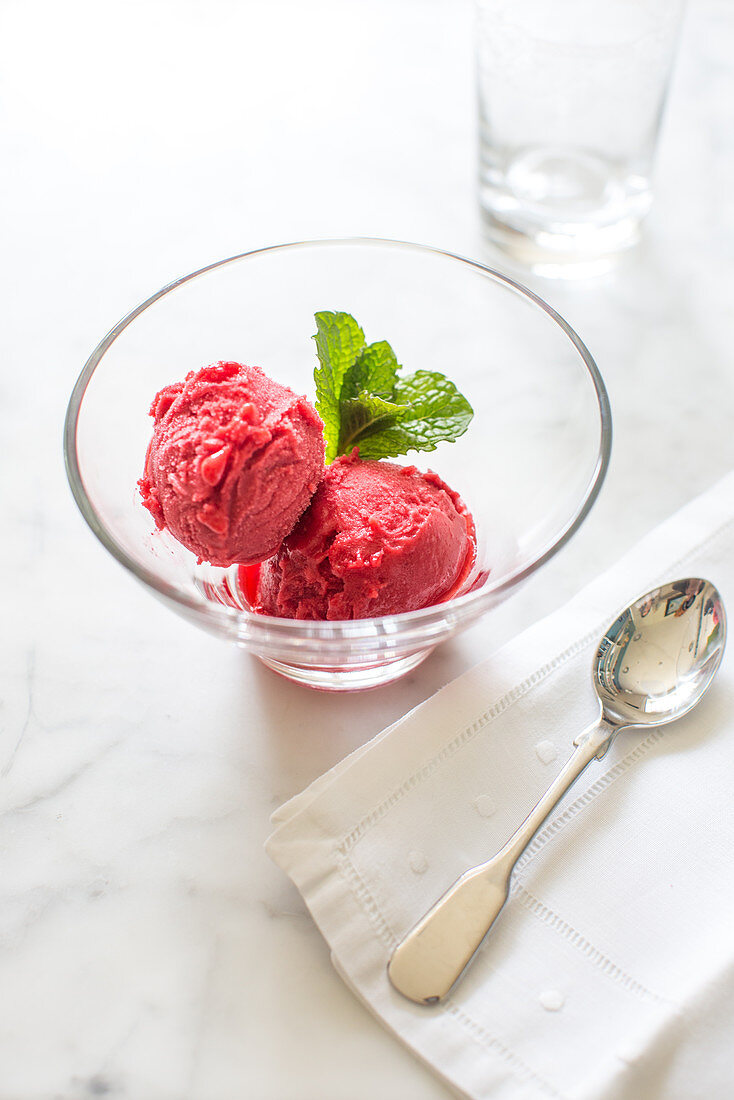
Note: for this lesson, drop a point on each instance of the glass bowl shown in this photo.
(529, 467)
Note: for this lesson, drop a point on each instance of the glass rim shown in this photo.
(339, 629)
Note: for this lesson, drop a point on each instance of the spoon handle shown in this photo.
(434, 954)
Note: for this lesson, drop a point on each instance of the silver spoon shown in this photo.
(653, 665)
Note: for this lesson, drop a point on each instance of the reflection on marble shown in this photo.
(148, 948)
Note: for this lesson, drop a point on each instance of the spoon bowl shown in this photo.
(652, 665)
(660, 655)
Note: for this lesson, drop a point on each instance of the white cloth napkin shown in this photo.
(610, 972)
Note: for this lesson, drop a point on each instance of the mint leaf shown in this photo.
(439, 412)
(364, 416)
(365, 403)
(435, 413)
(339, 339)
(374, 371)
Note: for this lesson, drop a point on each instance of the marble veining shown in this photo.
(148, 947)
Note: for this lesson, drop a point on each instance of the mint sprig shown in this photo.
(364, 401)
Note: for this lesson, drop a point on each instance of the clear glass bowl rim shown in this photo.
(471, 603)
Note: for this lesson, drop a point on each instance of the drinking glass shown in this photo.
(571, 95)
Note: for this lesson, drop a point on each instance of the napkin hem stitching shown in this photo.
(519, 691)
(364, 898)
(577, 939)
(489, 1041)
(551, 828)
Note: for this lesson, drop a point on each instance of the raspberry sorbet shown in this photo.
(234, 460)
(377, 539)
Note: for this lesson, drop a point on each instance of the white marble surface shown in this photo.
(148, 948)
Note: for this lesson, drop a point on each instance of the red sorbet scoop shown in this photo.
(377, 539)
(234, 460)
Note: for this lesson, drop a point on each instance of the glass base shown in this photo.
(561, 212)
(561, 255)
(359, 678)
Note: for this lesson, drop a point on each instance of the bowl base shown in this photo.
(359, 678)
